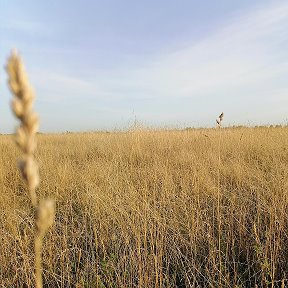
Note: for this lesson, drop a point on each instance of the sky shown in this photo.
(98, 65)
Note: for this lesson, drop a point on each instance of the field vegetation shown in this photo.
(193, 208)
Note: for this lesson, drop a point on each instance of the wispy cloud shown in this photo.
(249, 52)
(244, 61)
(61, 87)
(25, 26)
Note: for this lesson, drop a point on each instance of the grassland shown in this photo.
(195, 208)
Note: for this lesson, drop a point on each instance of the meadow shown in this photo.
(189, 208)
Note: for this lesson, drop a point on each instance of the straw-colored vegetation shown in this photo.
(151, 209)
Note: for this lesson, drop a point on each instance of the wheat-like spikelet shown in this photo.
(25, 135)
(220, 119)
(22, 105)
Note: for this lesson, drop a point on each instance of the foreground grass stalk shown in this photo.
(22, 106)
(219, 122)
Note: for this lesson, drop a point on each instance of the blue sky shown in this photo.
(98, 64)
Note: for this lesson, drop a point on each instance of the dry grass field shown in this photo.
(195, 208)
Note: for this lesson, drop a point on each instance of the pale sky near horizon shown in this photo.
(99, 64)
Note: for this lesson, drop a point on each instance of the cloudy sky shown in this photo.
(99, 64)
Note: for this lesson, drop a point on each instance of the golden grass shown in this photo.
(141, 209)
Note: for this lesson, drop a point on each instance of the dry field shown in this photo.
(195, 208)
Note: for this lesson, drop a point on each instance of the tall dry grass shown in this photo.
(141, 209)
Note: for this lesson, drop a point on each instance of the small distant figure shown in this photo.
(219, 120)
